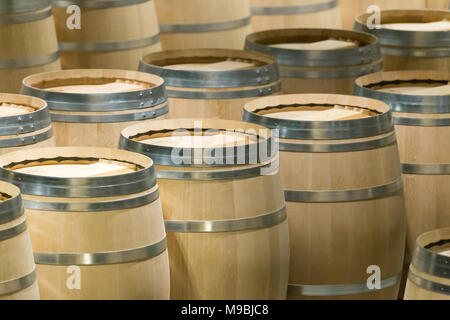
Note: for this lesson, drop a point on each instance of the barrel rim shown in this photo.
(396, 38)
(11, 208)
(20, 6)
(163, 155)
(257, 76)
(97, 102)
(361, 55)
(406, 103)
(121, 184)
(427, 261)
(320, 130)
(24, 123)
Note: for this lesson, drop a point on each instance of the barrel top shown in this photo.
(136, 172)
(366, 48)
(353, 118)
(211, 68)
(416, 91)
(199, 143)
(428, 255)
(410, 38)
(11, 206)
(96, 89)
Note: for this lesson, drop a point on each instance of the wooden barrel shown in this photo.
(285, 14)
(438, 4)
(412, 47)
(212, 83)
(340, 170)
(420, 101)
(24, 123)
(351, 8)
(29, 42)
(223, 207)
(319, 60)
(203, 23)
(113, 34)
(90, 107)
(95, 221)
(17, 268)
(429, 273)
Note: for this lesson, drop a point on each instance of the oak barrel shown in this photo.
(223, 207)
(95, 221)
(112, 34)
(17, 268)
(319, 60)
(90, 107)
(341, 175)
(212, 83)
(29, 44)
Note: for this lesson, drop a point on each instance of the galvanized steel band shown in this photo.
(214, 226)
(257, 76)
(83, 102)
(407, 103)
(366, 54)
(15, 18)
(97, 4)
(351, 71)
(11, 209)
(426, 169)
(28, 62)
(341, 147)
(338, 290)
(205, 27)
(108, 118)
(431, 263)
(298, 9)
(416, 52)
(13, 231)
(221, 95)
(422, 122)
(109, 205)
(344, 195)
(109, 46)
(12, 286)
(108, 186)
(26, 140)
(324, 130)
(18, 6)
(427, 284)
(102, 258)
(25, 123)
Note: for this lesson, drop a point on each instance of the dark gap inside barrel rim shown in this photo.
(309, 105)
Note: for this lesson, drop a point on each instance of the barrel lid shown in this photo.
(370, 85)
(258, 111)
(11, 206)
(265, 70)
(77, 187)
(367, 51)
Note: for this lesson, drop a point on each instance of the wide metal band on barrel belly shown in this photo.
(205, 27)
(25, 17)
(28, 62)
(341, 147)
(349, 72)
(428, 285)
(109, 118)
(407, 103)
(339, 290)
(18, 6)
(14, 231)
(102, 258)
(431, 263)
(299, 9)
(108, 186)
(28, 140)
(416, 52)
(253, 77)
(11, 209)
(324, 130)
(97, 4)
(12, 286)
(426, 169)
(214, 226)
(93, 206)
(344, 195)
(422, 122)
(109, 46)
(25, 123)
(222, 95)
